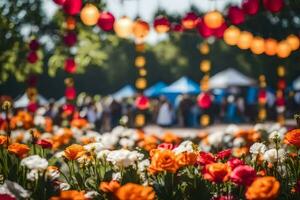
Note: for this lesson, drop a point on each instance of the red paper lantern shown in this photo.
(72, 7)
(273, 6)
(250, 7)
(281, 84)
(219, 32)
(236, 15)
(189, 21)
(68, 109)
(34, 45)
(262, 96)
(161, 24)
(142, 102)
(32, 57)
(70, 39)
(59, 2)
(70, 93)
(204, 100)
(32, 106)
(280, 101)
(106, 21)
(204, 30)
(177, 27)
(70, 65)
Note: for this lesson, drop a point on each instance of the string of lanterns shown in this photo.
(280, 96)
(262, 98)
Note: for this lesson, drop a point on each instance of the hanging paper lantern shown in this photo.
(245, 40)
(142, 102)
(250, 7)
(32, 107)
(281, 71)
(140, 47)
(140, 61)
(34, 45)
(68, 109)
(177, 27)
(70, 93)
(123, 27)
(271, 46)
(72, 7)
(213, 19)
(281, 84)
(262, 96)
(204, 30)
(140, 29)
(70, 65)
(262, 114)
(257, 45)
(70, 23)
(142, 72)
(32, 57)
(293, 41)
(219, 32)
(59, 2)
(140, 120)
(204, 100)
(205, 65)
(204, 48)
(69, 82)
(141, 83)
(106, 21)
(231, 35)
(205, 120)
(273, 5)
(161, 24)
(283, 49)
(89, 14)
(189, 21)
(70, 39)
(236, 15)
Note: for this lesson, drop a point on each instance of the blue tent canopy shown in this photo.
(183, 85)
(124, 92)
(155, 89)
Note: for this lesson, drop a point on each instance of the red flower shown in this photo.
(34, 45)
(70, 39)
(243, 175)
(32, 57)
(45, 144)
(205, 158)
(234, 162)
(224, 154)
(6, 197)
(169, 146)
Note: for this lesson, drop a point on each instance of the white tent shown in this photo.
(23, 101)
(230, 78)
(296, 84)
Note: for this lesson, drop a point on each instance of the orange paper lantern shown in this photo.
(271, 46)
(190, 21)
(70, 23)
(293, 41)
(283, 49)
(140, 29)
(141, 83)
(245, 40)
(257, 45)
(123, 27)
(231, 35)
(213, 19)
(89, 14)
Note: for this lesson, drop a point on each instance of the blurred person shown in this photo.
(164, 117)
(185, 109)
(115, 113)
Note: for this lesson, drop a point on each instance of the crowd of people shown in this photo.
(106, 112)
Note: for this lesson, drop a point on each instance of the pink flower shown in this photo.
(243, 175)
(169, 146)
(224, 154)
(45, 144)
(205, 158)
(234, 162)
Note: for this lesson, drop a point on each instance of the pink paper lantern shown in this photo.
(106, 21)
(236, 15)
(70, 65)
(250, 7)
(204, 100)
(72, 7)
(32, 107)
(142, 102)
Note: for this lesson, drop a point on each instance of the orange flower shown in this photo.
(249, 135)
(263, 188)
(108, 187)
(79, 123)
(163, 160)
(70, 195)
(74, 151)
(186, 158)
(132, 191)
(293, 137)
(3, 139)
(148, 142)
(18, 149)
(239, 152)
(216, 172)
(169, 137)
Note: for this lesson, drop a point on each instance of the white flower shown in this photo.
(231, 129)
(123, 158)
(276, 135)
(109, 141)
(143, 165)
(215, 138)
(95, 147)
(239, 142)
(59, 154)
(125, 142)
(103, 154)
(64, 186)
(273, 155)
(39, 120)
(186, 146)
(91, 194)
(116, 176)
(33, 175)
(258, 148)
(258, 127)
(118, 130)
(35, 162)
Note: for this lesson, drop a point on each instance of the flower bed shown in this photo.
(41, 161)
